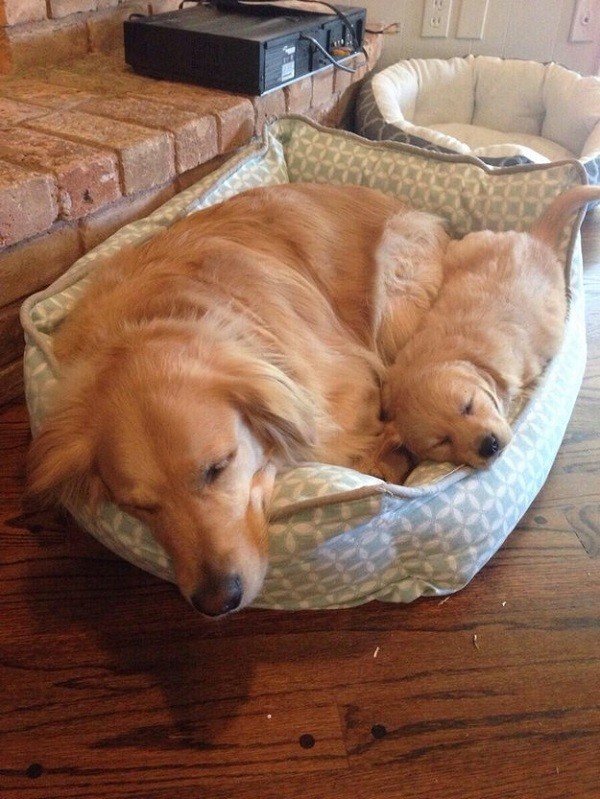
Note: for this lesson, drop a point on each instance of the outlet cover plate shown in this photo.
(436, 18)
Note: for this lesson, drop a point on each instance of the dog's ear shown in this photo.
(60, 466)
(278, 410)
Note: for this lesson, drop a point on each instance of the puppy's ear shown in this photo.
(278, 410)
(499, 386)
(60, 466)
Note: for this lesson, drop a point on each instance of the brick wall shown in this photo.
(34, 31)
(86, 146)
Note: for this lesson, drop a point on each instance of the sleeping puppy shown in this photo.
(497, 321)
(247, 336)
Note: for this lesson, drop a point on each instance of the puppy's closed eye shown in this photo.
(468, 408)
(443, 442)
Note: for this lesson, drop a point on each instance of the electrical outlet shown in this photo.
(436, 18)
(582, 26)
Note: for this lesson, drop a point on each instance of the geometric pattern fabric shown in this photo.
(339, 537)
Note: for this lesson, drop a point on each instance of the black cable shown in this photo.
(327, 55)
(340, 14)
(345, 21)
(388, 30)
(231, 4)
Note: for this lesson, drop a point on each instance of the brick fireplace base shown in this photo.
(88, 146)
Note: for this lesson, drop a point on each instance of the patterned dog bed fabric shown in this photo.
(339, 537)
(504, 111)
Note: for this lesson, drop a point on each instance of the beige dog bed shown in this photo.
(505, 112)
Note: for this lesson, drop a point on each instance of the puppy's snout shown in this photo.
(489, 446)
(219, 595)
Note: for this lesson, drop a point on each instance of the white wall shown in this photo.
(532, 29)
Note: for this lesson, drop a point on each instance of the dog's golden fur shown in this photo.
(247, 336)
(498, 319)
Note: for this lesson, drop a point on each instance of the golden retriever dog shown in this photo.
(497, 321)
(247, 336)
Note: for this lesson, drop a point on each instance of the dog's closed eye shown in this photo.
(467, 409)
(214, 470)
(443, 442)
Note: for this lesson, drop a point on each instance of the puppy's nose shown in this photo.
(489, 446)
(218, 595)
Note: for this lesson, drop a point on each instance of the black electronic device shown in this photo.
(251, 51)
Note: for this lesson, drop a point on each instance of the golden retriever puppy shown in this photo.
(498, 319)
(247, 336)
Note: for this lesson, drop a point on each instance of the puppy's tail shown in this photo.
(550, 226)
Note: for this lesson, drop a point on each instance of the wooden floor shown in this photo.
(110, 686)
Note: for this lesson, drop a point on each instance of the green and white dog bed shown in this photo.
(339, 537)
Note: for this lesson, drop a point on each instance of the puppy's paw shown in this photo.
(390, 462)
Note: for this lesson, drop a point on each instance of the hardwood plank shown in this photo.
(112, 688)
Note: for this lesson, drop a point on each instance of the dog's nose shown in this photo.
(218, 595)
(489, 446)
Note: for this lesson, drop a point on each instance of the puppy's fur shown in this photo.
(498, 319)
(249, 335)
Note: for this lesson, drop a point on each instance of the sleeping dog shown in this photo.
(497, 321)
(248, 336)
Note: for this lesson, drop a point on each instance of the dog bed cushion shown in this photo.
(339, 537)
(504, 111)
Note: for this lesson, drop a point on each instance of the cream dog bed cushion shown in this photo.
(505, 111)
(339, 537)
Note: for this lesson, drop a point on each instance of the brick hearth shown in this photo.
(86, 146)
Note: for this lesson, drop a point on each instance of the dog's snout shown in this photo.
(218, 595)
(489, 446)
